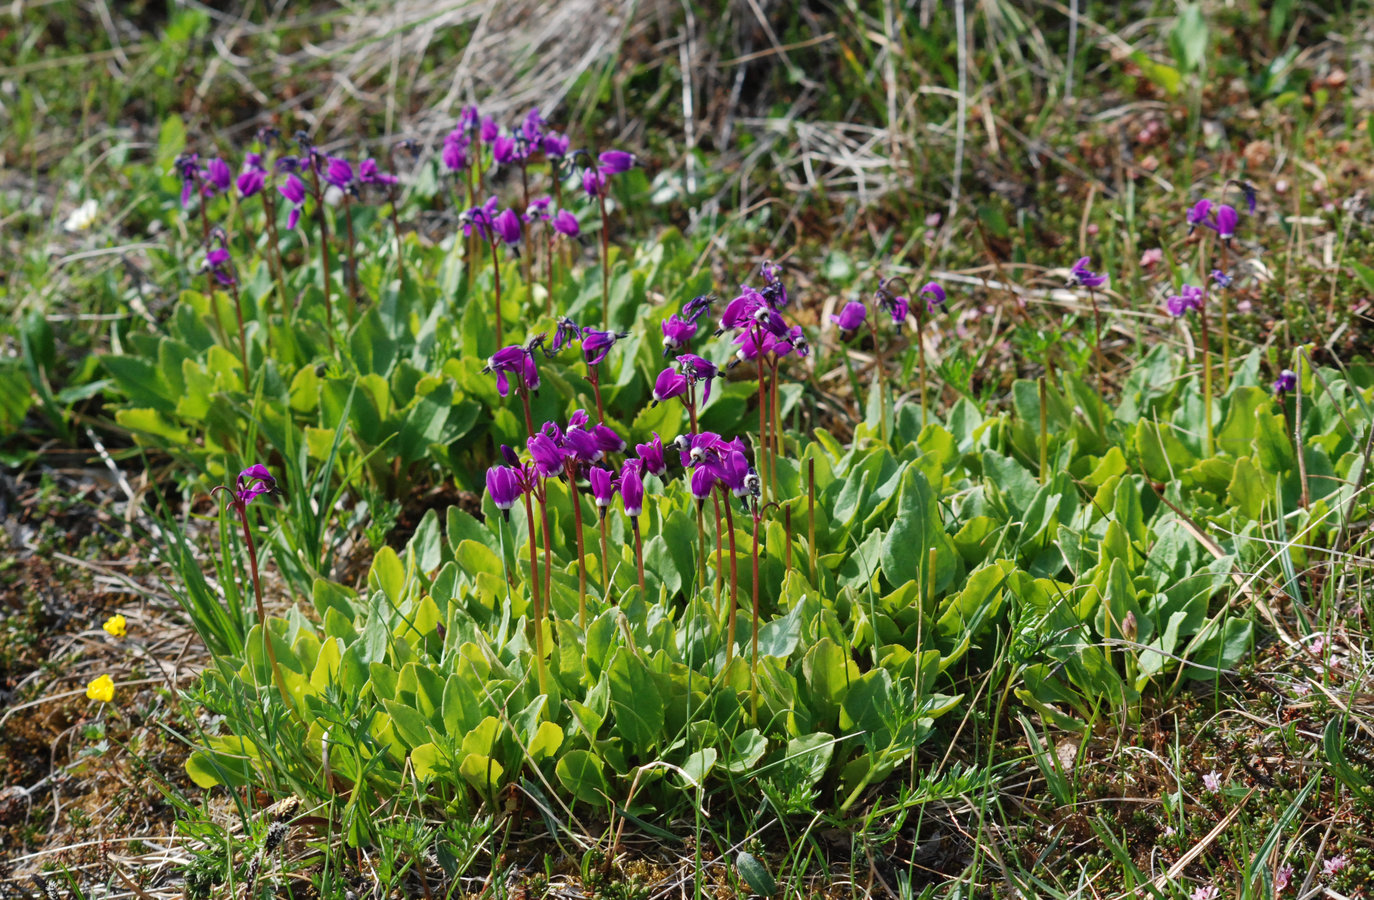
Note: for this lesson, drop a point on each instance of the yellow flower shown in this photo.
(101, 689)
(116, 625)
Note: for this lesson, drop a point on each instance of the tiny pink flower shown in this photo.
(1206, 892)
(1335, 864)
(1151, 258)
(1282, 878)
(1212, 781)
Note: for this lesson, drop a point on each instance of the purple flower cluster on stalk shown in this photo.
(1189, 298)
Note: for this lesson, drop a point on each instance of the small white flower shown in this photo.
(83, 217)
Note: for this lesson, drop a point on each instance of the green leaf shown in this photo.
(582, 774)
(635, 701)
(755, 875)
(1188, 38)
(916, 529)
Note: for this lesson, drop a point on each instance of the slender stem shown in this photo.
(496, 275)
(525, 403)
(811, 516)
(720, 552)
(764, 418)
(548, 546)
(701, 548)
(324, 253)
(594, 377)
(921, 360)
(396, 228)
(639, 556)
(605, 264)
(1206, 381)
(534, 597)
(1044, 435)
(548, 265)
(779, 444)
(754, 652)
(243, 341)
(1098, 358)
(880, 385)
(734, 587)
(581, 550)
(1225, 325)
(787, 540)
(605, 561)
(262, 611)
(352, 261)
(269, 206)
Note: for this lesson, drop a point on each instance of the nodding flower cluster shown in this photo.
(596, 344)
(890, 299)
(1219, 217)
(516, 361)
(715, 462)
(755, 317)
(1081, 276)
(582, 451)
(1190, 297)
(467, 144)
(596, 177)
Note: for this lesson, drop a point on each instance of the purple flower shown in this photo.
(796, 340)
(503, 485)
(695, 369)
(670, 383)
(252, 483)
(935, 296)
(217, 173)
(632, 488)
(583, 444)
(548, 456)
(489, 130)
(1190, 297)
(696, 307)
(188, 167)
(1197, 215)
(651, 454)
(732, 470)
(507, 226)
(294, 191)
(1221, 278)
(739, 312)
(503, 150)
(703, 482)
(534, 126)
(368, 173)
(564, 333)
(480, 219)
(1227, 217)
(597, 343)
(338, 173)
(517, 361)
(603, 487)
(774, 291)
(250, 182)
(455, 152)
(1283, 878)
(593, 182)
(1287, 382)
(677, 332)
(219, 264)
(538, 209)
(851, 317)
(1080, 274)
(565, 223)
(579, 419)
(614, 162)
(556, 145)
(607, 439)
